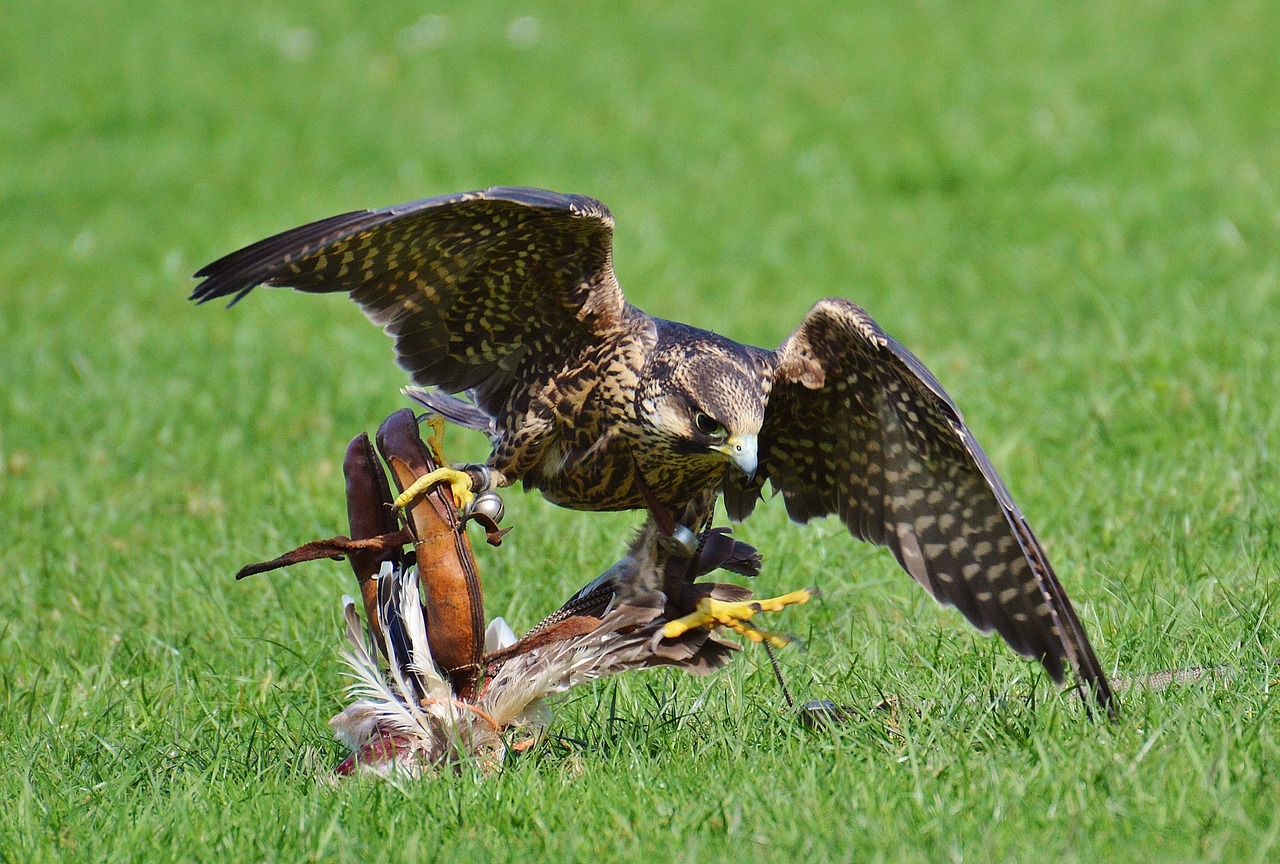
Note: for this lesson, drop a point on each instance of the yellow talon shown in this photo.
(713, 613)
(755, 634)
(459, 484)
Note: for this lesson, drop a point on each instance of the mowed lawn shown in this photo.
(1070, 211)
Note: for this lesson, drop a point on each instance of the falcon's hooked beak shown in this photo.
(741, 450)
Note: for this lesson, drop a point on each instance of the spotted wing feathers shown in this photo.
(856, 426)
(476, 288)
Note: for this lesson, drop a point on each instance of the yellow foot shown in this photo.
(459, 484)
(712, 613)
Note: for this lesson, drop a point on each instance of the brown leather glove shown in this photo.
(450, 584)
(453, 603)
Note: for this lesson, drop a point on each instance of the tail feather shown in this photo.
(460, 412)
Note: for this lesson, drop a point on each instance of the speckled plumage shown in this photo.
(509, 295)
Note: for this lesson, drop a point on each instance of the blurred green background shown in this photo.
(1068, 210)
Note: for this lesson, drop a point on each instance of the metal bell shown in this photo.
(487, 504)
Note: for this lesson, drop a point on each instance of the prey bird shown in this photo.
(508, 296)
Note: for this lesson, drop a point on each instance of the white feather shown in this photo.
(384, 709)
(422, 664)
(525, 680)
(498, 635)
(442, 729)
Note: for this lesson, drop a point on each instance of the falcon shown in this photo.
(508, 296)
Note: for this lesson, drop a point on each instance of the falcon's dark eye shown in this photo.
(708, 426)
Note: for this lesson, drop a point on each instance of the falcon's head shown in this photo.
(702, 399)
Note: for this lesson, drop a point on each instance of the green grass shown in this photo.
(1069, 210)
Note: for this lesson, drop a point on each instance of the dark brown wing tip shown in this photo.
(1092, 683)
(245, 269)
(1093, 688)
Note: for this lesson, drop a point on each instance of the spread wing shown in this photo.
(856, 426)
(475, 288)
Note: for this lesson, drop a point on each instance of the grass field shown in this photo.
(1068, 210)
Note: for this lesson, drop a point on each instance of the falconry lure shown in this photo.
(508, 295)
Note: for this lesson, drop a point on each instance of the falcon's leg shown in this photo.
(713, 613)
(436, 439)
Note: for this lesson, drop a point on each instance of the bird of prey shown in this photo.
(508, 295)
